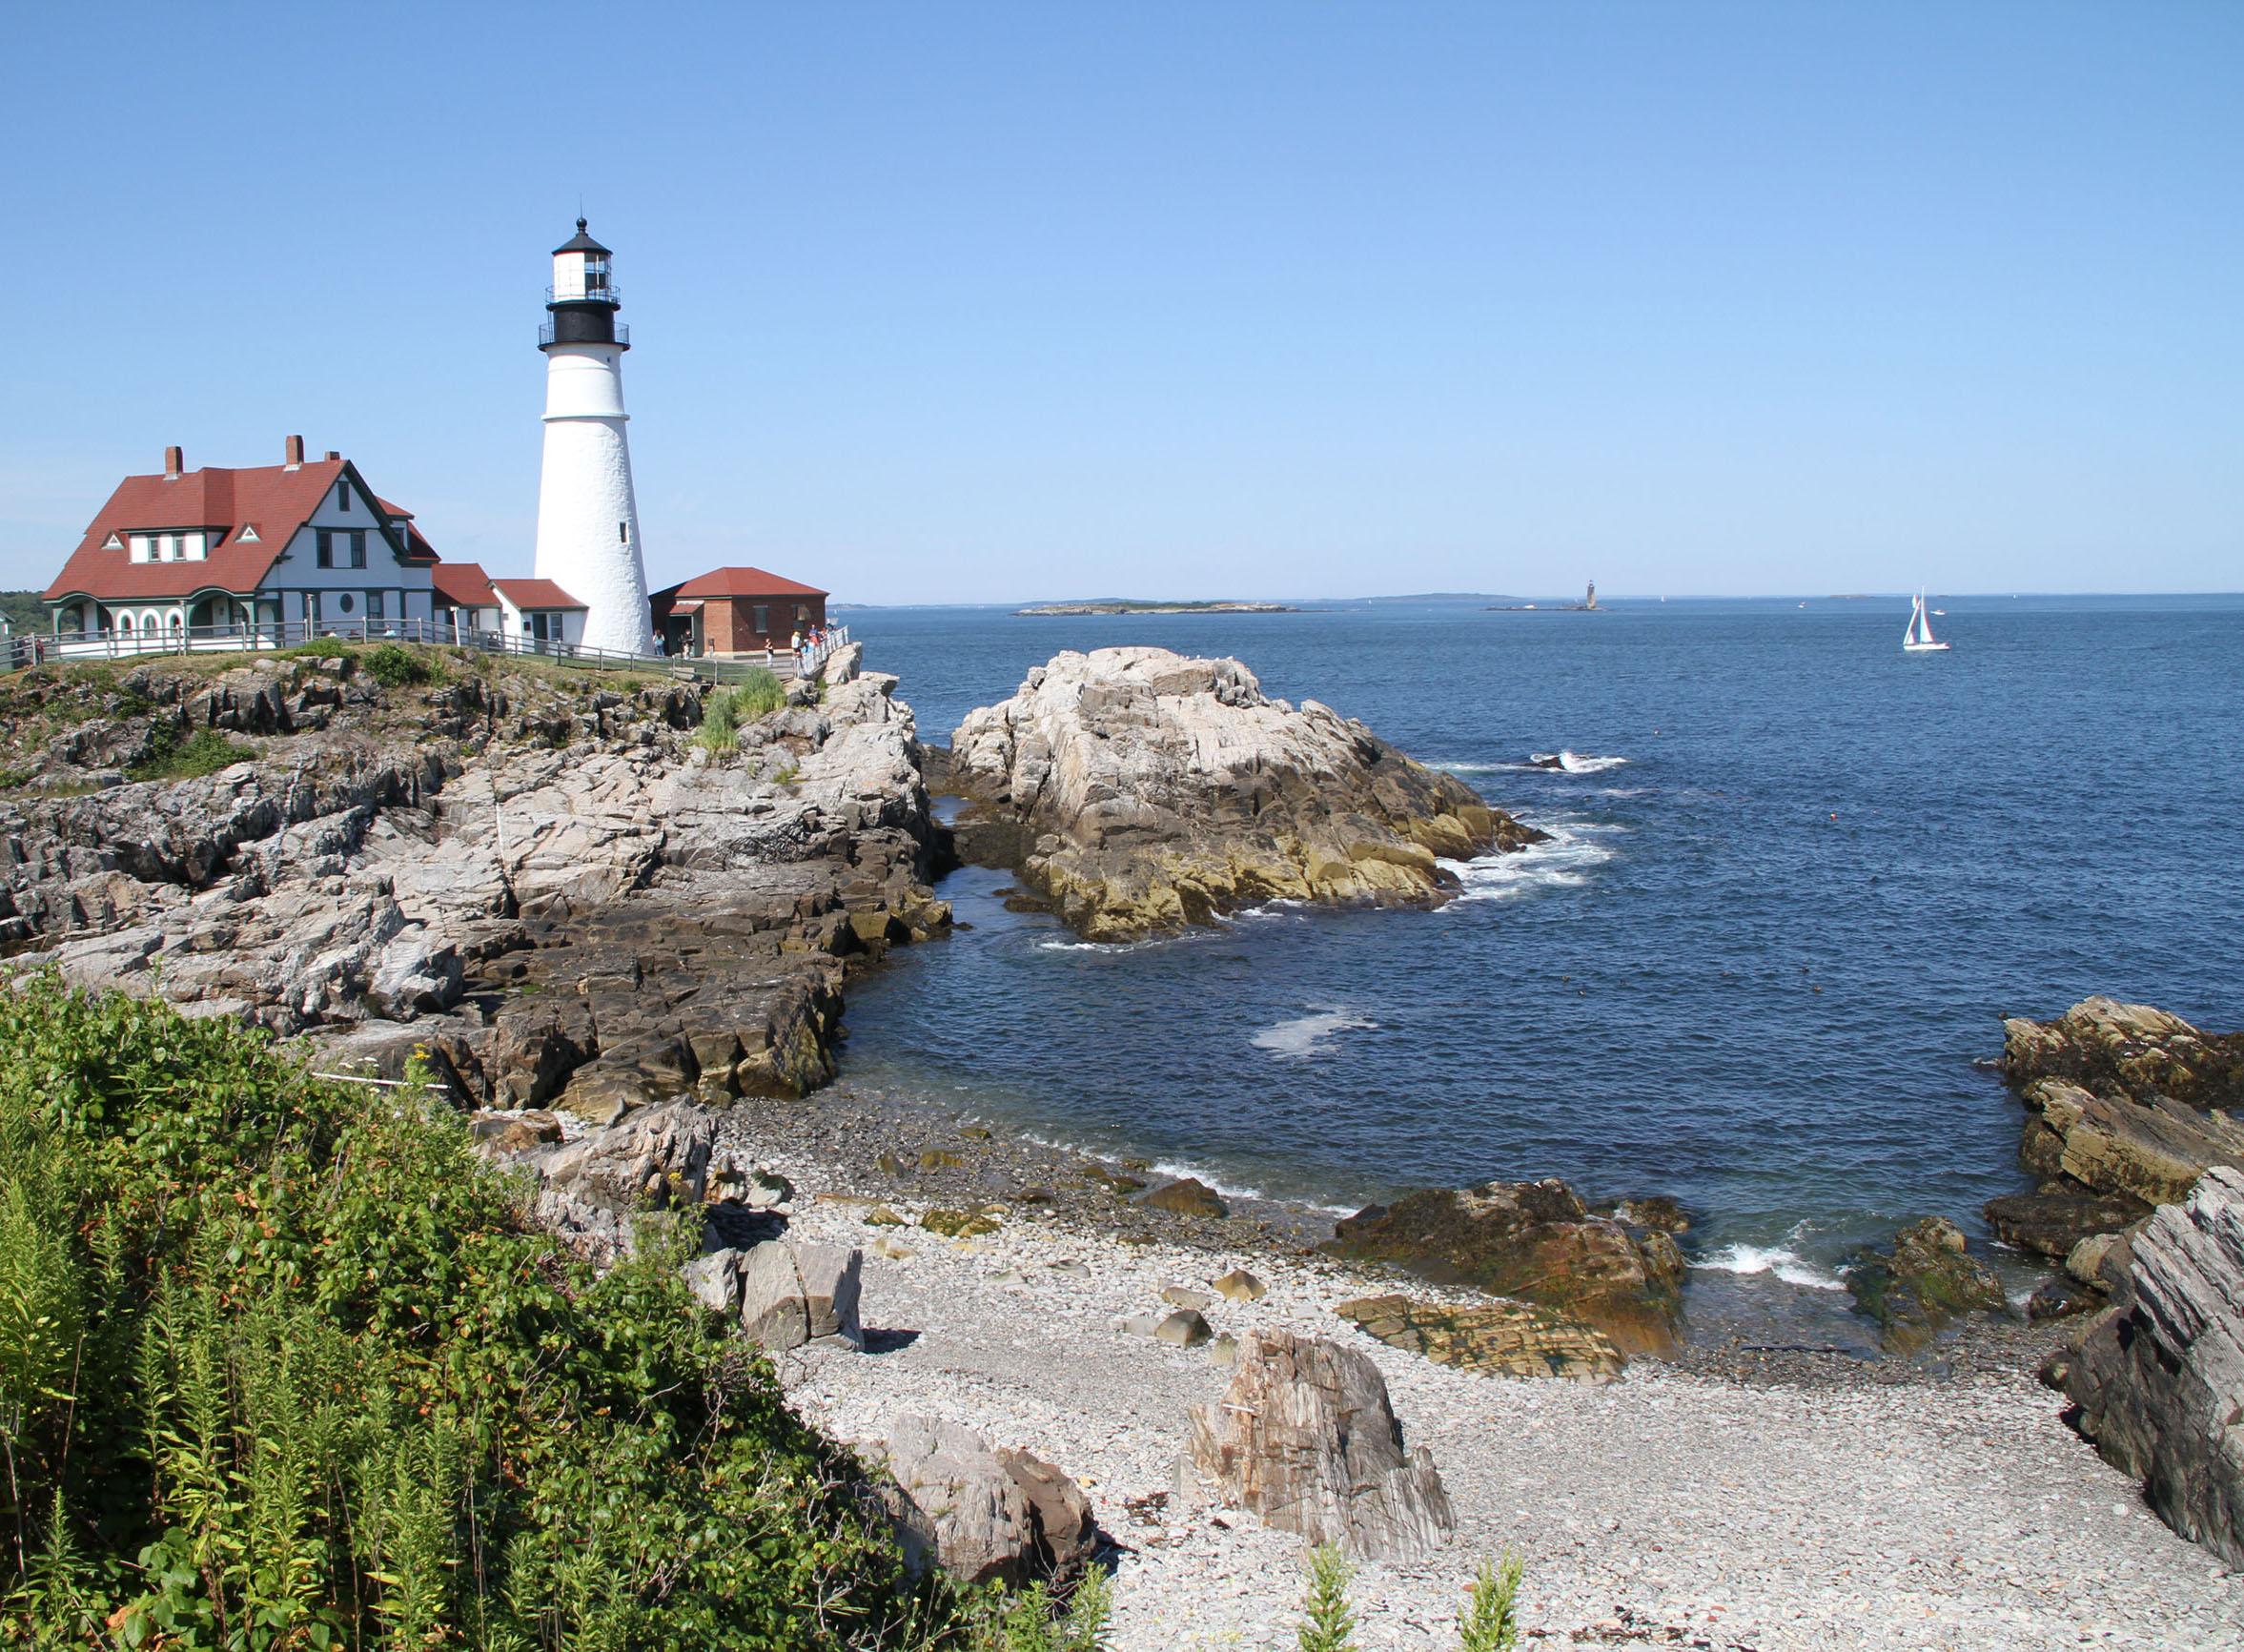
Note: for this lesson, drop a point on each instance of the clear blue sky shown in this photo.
(949, 301)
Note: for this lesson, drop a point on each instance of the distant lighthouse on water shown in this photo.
(588, 515)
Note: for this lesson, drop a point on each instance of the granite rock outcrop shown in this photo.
(1534, 1242)
(1139, 791)
(540, 881)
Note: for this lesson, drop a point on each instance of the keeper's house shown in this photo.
(224, 556)
(735, 611)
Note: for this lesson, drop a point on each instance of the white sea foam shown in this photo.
(1302, 1037)
(1577, 763)
(1562, 861)
(1782, 1261)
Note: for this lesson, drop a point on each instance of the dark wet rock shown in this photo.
(1927, 1281)
(2061, 1299)
(2053, 1221)
(1534, 1242)
(1189, 1197)
(1656, 1213)
(1140, 792)
(1494, 1339)
(2158, 1377)
(1304, 1437)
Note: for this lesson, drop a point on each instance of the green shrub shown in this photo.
(395, 667)
(1328, 1624)
(281, 1366)
(758, 694)
(320, 648)
(719, 732)
(174, 757)
(1488, 1623)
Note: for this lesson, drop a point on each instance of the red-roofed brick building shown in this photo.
(735, 611)
(214, 553)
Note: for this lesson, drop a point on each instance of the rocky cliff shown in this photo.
(546, 880)
(1139, 791)
(2158, 1377)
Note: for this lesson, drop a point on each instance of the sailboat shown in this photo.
(1918, 638)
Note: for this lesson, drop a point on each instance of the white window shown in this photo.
(190, 546)
(143, 548)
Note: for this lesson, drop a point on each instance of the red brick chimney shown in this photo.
(333, 455)
(175, 463)
(294, 450)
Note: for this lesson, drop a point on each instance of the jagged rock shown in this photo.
(1140, 792)
(2158, 1377)
(2130, 1050)
(1657, 1213)
(2152, 1150)
(1189, 1197)
(1533, 1242)
(1495, 1339)
(1304, 1437)
(1185, 1296)
(983, 1515)
(1240, 1286)
(1927, 1281)
(2126, 1109)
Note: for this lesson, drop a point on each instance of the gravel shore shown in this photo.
(1734, 1500)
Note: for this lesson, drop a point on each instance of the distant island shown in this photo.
(1123, 606)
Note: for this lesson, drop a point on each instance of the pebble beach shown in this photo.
(1721, 1502)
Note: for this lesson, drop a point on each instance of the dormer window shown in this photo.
(167, 547)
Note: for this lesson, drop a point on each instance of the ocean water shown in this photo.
(1795, 876)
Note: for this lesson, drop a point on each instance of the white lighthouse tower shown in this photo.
(587, 515)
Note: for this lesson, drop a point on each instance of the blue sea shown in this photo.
(1795, 876)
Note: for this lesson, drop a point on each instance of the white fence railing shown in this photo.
(31, 649)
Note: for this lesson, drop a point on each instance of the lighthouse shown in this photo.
(587, 515)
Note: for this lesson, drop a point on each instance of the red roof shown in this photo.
(272, 499)
(463, 586)
(535, 594)
(743, 583)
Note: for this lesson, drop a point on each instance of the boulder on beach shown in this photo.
(1304, 1437)
(1140, 792)
(1927, 1281)
(2158, 1377)
(983, 1515)
(1533, 1242)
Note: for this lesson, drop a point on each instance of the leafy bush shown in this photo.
(1035, 1621)
(395, 667)
(172, 757)
(281, 1366)
(320, 648)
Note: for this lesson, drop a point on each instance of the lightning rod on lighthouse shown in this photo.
(588, 515)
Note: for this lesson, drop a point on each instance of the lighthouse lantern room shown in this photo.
(588, 514)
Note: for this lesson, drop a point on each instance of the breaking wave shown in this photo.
(1782, 1261)
(1562, 861)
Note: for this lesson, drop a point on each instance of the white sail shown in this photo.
(1924, 622)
